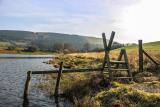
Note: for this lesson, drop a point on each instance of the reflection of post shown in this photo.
(58, 79)
(26, 89)
(25, 102)
(57, 101)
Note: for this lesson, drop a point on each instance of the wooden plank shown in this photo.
(67, 71)
(122, 78)
(140, 56)
(119, 69)
(109, 66)
(150, 57)
(58, 80)
(104, 62)
(111, 40)
(117, 62)
(105, 49)
(119, 58)
(26, 89)
(104, 42)
(127, 63)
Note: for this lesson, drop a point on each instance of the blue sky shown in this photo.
(131, 19)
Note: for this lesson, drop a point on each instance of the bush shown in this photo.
(11, 47)
(31, 49)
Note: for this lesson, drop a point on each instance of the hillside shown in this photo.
(46, 40)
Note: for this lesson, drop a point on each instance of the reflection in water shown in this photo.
(25, 101)
(13, 74)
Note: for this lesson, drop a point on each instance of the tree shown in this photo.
(31, 49)
(58, 47)
(11, 47)
(86, 47)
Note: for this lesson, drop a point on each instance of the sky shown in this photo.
(130, 19)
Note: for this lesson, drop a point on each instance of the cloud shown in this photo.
(86, 17)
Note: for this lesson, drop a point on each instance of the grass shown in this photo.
(95, 90)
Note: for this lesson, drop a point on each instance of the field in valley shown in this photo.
(95, 90)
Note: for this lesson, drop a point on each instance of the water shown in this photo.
(12, 80)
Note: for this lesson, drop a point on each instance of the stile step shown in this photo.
(119, 69)
(122, 77)
(117, 62)
(111, 66)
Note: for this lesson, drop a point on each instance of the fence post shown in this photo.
(140, 55)
(58, 80)
(111, 40)
(26, 89)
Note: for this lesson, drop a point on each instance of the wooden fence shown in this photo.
(141, 58)
(61, 70)
(58, 71)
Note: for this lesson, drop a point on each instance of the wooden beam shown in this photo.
(67, 71)
(58, 80)
(111, 40)
(127, 63)
(150, 57)
(140, 56)
(104, 42)
(119, 58)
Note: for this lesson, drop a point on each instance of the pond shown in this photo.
(13, 72)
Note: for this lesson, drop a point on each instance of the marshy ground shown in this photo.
(95, 90)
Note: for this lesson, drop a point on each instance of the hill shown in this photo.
(46, 40)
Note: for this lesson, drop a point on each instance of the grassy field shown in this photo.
(95, 90)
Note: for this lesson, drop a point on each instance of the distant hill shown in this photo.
(46, 40)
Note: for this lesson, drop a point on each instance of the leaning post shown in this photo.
(58, 80)
(140, 55)
(26, 89)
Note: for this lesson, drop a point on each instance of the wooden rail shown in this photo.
(59, 71)
(141, 52)
(67, 71)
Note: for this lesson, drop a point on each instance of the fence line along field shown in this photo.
(93, 89)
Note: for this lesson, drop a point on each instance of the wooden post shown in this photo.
(119, 57)
(111, 40)
(127, 63)
(58, 80)
(145, 53)
(26, 89)
(140, 56)
(104, 41)
(105, 49)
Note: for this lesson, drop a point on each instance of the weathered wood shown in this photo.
(109, 66)
(58, 80)
(105, 49)
(67, 71)
(119, 69)
(104, 62)
(111, 40)
(122, 78)
(117, 62)
(140, 56)
(26, 89)
(104, 42)
(127, 63)
(119, 58)
(150, 57)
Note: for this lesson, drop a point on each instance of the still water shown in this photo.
(12, 79)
